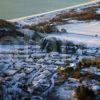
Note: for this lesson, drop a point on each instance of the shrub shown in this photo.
(84, 93)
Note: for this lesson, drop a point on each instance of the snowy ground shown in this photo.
(80, 32)
(23, 69)
(89, 41)
(86, 28)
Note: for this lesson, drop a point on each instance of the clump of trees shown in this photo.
(52, 95)
(51, 45)
(56, 45)
(8, 29)
(46, 28)
(66, 71)
(36, 36)
(98, 66)
(63, 74)
(88, 13)
(56, 20)
(88, 63)
(43, 27)
(1, 90)
(84, 93)
(7, 24)
(71, 47)
(76, 74)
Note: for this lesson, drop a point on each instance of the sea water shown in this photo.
(10, 9)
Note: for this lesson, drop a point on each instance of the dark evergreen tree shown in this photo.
(58, 44)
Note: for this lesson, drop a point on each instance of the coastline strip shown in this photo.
(49, 15)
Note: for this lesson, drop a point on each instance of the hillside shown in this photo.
(54, 57)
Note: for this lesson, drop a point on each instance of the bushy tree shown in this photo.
(51, 45)
(84, 93)
(43, 44)
(58, 44)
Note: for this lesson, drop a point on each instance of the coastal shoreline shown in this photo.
(51, 14)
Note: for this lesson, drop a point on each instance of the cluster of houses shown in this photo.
(28, 72)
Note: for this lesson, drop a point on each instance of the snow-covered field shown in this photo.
(86, 28)
(90, 41)
(80, 32)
